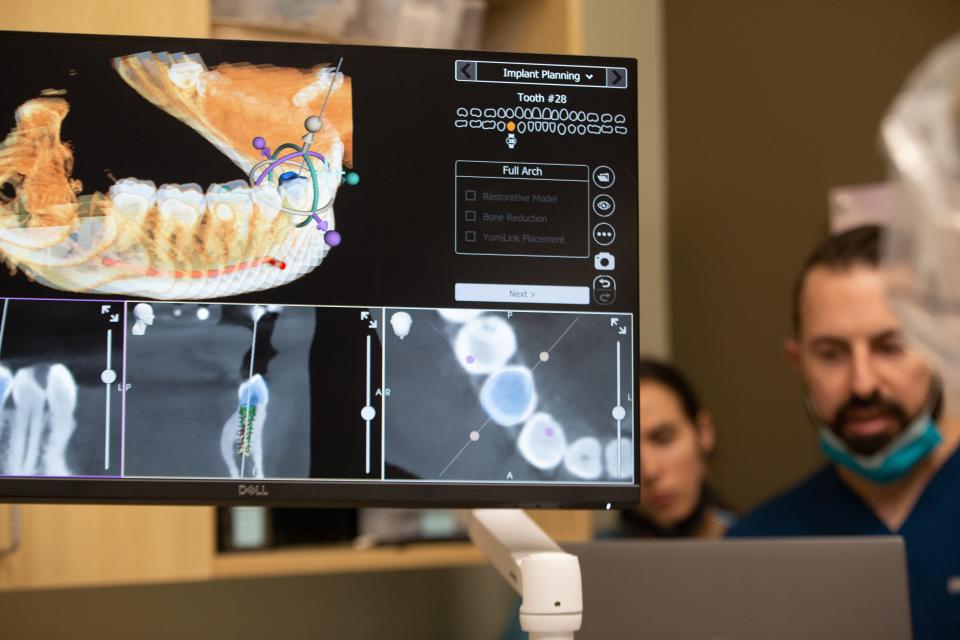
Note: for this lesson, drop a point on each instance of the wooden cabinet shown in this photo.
(83, 545)
(87, 545)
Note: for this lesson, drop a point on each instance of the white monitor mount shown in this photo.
(546, 577)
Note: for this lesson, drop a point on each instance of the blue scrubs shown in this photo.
(823, 505)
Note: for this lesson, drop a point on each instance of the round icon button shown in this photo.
(604, 234)
(604, 205)
(603, 176)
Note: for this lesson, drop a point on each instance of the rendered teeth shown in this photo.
(62, 401)
(509, 396)
(335, 157)
(185, 74)
(184, 202)
(584, 459)
(327, 75)
(267, 197)
(485, 344)
(542, 442)
(296, 194)
(620, 465)
(228, 200)
(133, 197)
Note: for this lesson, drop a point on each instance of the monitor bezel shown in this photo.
(318, 492)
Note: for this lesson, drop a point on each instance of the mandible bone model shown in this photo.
(181, 241)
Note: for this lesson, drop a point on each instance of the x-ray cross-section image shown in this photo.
(218, 390)
(252, 391)
(60, 407)
(509, 396)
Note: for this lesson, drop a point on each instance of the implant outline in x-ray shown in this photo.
(60, 407)
(218, 390)
(500, 396)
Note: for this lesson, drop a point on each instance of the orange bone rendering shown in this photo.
(139, 245)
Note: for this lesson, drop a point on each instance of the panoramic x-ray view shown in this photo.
(60, 408)
(500, 396)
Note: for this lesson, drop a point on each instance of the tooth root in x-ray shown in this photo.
(37, 426)
(23, 445)
(241, 441)
(62, 401)
(6, 382)
(5, 379)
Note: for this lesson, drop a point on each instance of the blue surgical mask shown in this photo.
(891, 463)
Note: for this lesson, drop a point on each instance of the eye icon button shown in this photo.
(604, 205)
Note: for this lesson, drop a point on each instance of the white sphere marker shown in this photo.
(544, 356)
(368, 413)
(474, 436)
(109, 376)
(619, 413)
(203, 313)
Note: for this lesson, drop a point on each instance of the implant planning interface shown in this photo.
(238, 261)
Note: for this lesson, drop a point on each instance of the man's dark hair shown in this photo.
(671, 378)
(859, 246)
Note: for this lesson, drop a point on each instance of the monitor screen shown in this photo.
(307, 274)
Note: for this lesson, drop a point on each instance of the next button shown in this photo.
(525, 293)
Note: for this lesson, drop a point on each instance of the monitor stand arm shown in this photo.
(546, 577)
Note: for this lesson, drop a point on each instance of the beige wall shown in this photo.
(770, 104)
(633, 28)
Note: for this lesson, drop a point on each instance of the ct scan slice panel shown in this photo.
(502, 396)
(316, 274)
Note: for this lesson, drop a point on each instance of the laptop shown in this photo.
(758, 589)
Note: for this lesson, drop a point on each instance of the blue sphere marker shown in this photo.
(352, 178)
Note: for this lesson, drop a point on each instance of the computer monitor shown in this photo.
(323, 275)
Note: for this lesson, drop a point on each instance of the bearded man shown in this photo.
(878, 412)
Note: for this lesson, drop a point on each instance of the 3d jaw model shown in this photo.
(241, 441)
(269, 227)
(36, 423)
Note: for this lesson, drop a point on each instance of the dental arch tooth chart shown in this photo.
(317, 268)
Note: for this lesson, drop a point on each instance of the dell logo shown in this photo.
(252, 490)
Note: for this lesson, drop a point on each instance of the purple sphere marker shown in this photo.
(549, 432)
(259, 143)
(332, 238)
(470, 359)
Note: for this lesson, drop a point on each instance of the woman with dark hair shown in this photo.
(676, 437)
